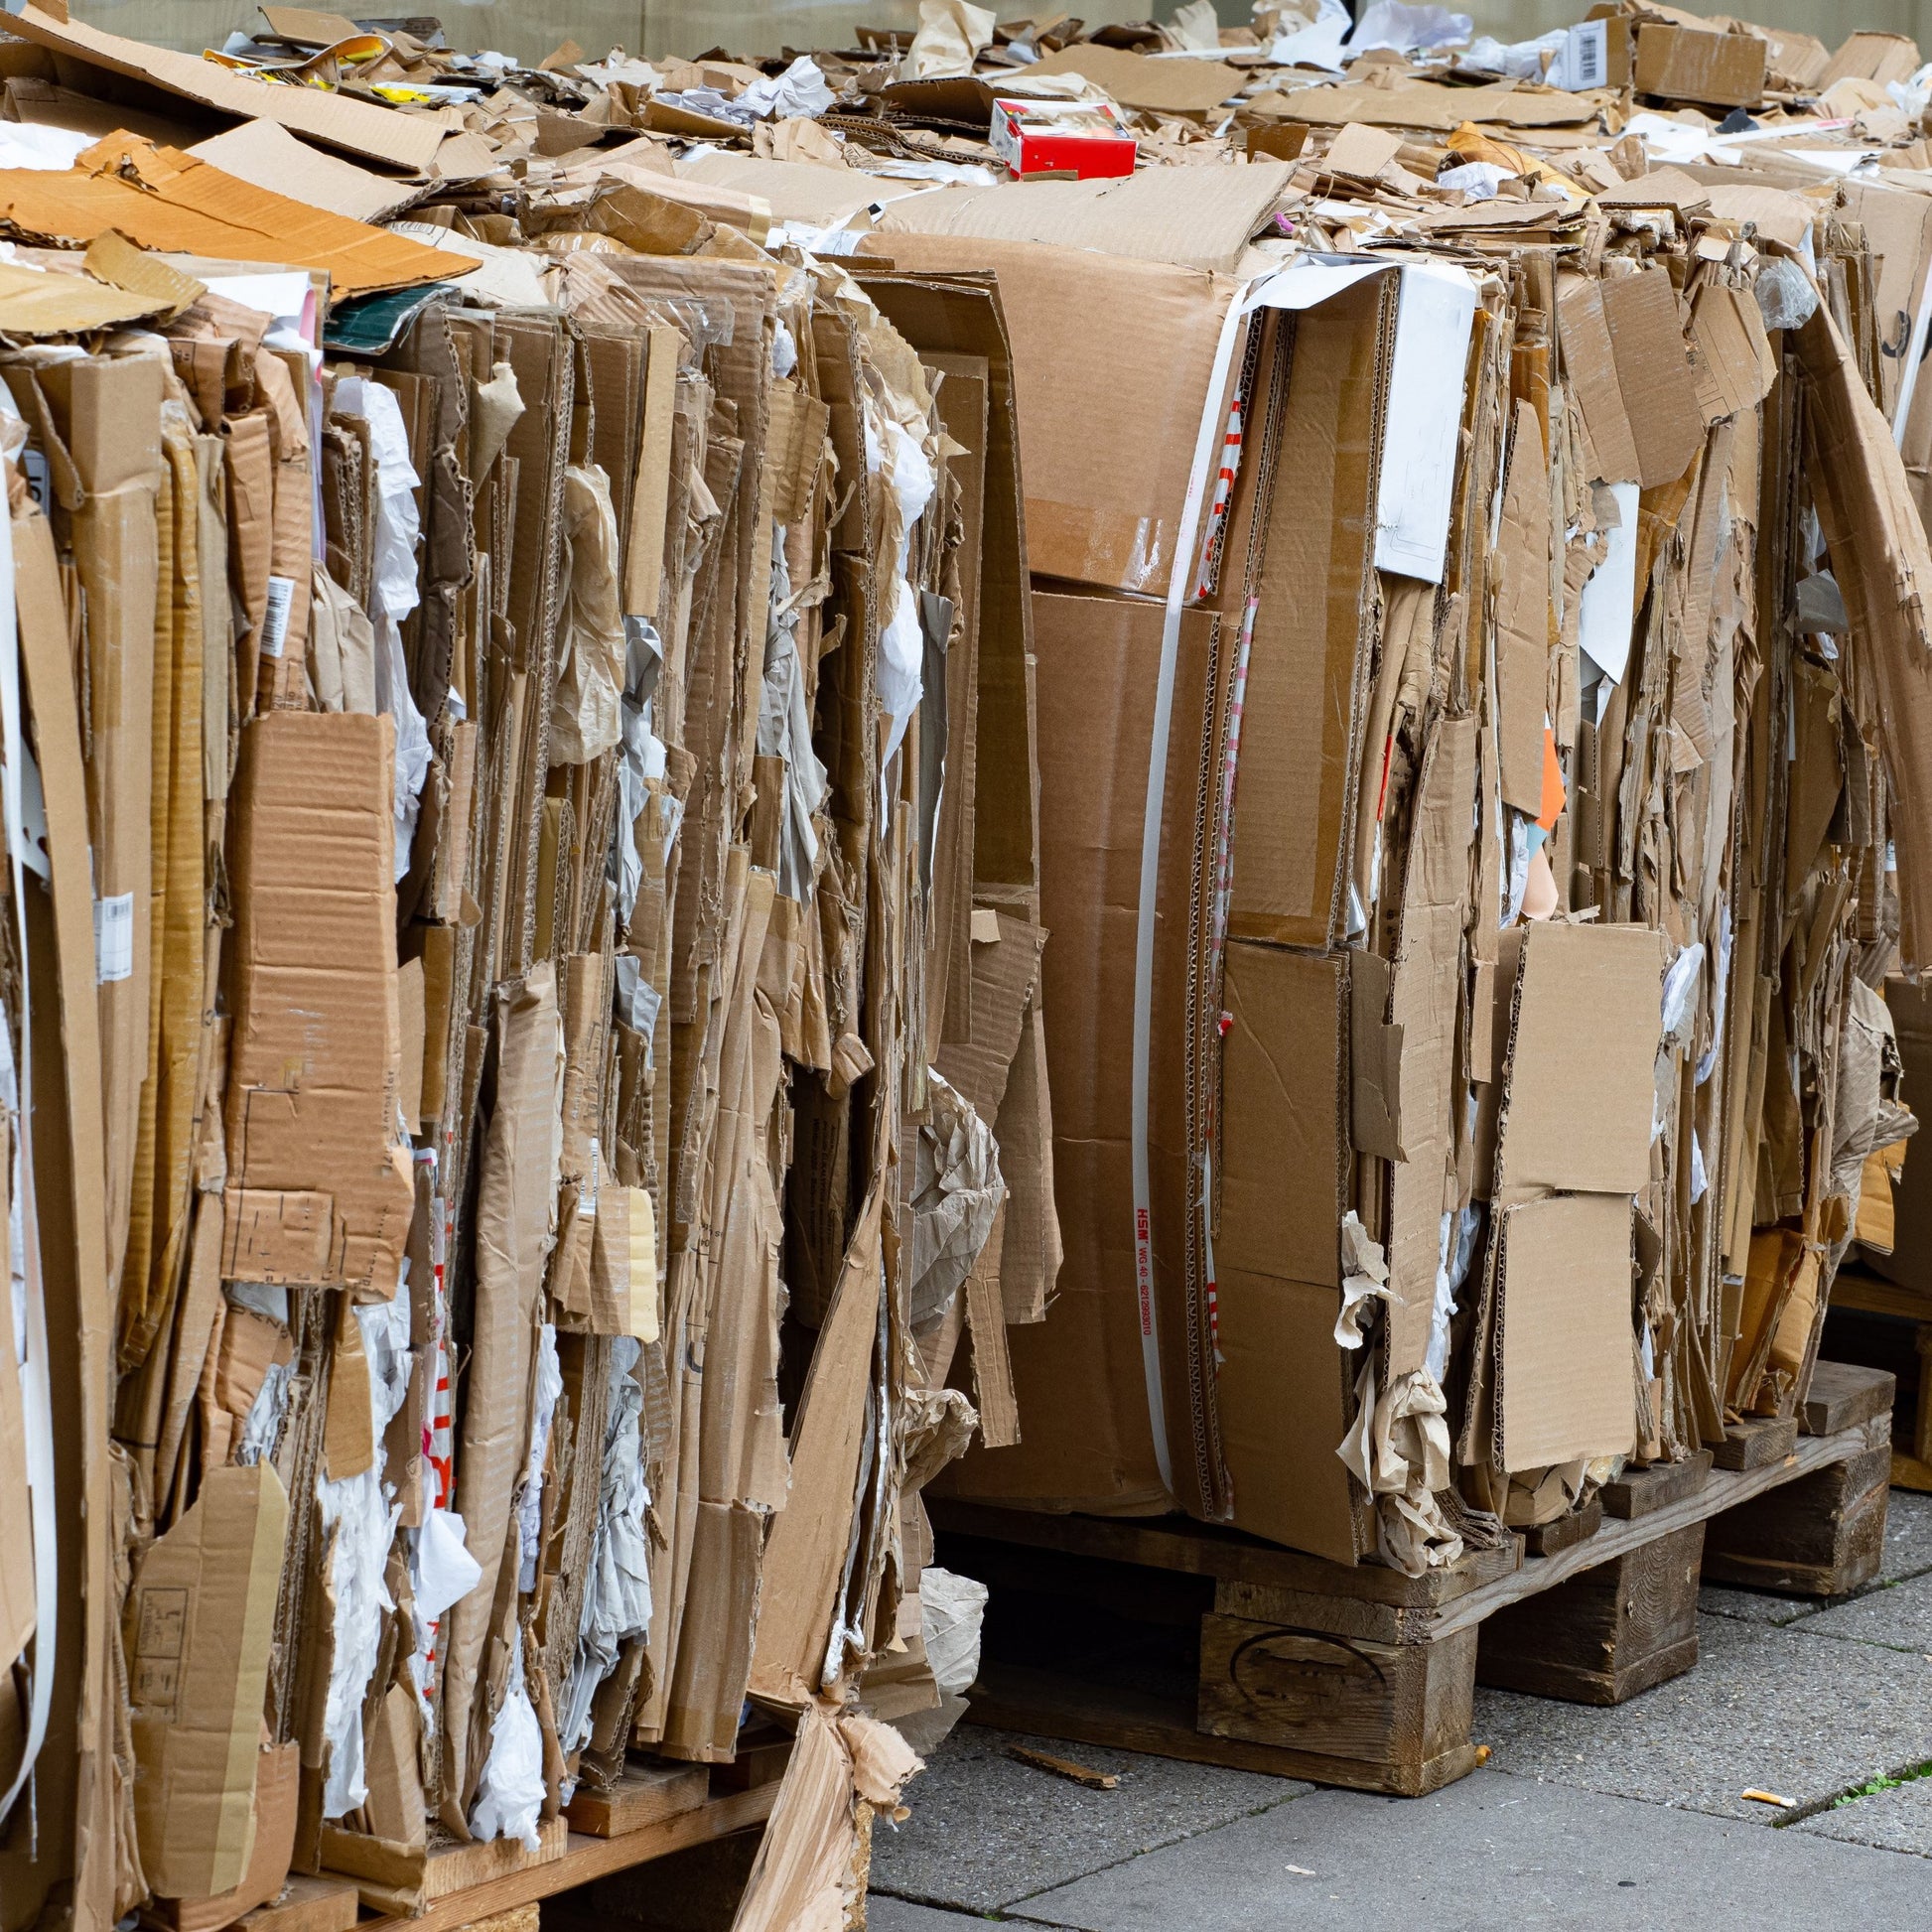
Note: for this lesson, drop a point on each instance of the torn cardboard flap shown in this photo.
(1625, 354)
(1586, 1024)
(1566, 1363)
(199, 1625)
(1105, 485)
(1375, 1050)
(266, 155)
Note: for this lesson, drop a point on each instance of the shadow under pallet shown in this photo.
(1188, 1641)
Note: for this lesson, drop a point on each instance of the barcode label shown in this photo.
(113, 938)
(275, 620)
(1586, 57)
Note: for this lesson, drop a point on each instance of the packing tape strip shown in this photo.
(1303, 284)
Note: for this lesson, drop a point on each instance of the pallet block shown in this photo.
(1389, 1716)
(1605, 1635)
(1756, 1442)
(1552, 1539)
(582, 1859)
(644, 1794)
(1912, 1467)
(392, 1879)
(1842, 1396)
(1202, 1643)
(1643, 1492)
(1821, 1536)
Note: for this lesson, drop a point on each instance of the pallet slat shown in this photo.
(644, 1794)
(584, 1858)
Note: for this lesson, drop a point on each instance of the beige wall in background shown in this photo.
(691, 25)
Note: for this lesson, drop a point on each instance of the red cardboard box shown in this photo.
(1084, 138)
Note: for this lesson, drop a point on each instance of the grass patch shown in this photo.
(1885, 1781)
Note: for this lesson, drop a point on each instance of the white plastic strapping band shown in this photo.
(35, 1391)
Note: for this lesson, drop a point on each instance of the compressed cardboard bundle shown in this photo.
(557, 1069)
(562, 753)
(1498, 859)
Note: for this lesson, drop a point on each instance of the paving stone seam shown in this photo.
(1111, 1865)
(1000, 1915)
(1852, 1636)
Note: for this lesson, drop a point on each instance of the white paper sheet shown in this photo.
(1608, 609)
(1425, 414)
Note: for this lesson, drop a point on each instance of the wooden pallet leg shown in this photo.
(1820, 1536)
(1605, 1634)
(1912, 1470)
(1375, 1717)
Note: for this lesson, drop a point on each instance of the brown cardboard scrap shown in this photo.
(1523, 615)
(1566, 1364)
(165, 199)
(1429, 104)
(1104, 487)
(1624, 351)
(353, 127)
(316, 1073)
(1687, 64)
(197, 1640)
(1138, 80)
(268, 156)
(1585, 1022)
(1170, 214)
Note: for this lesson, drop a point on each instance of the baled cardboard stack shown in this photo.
(1498, 834)
(744, 796)
(526, 919)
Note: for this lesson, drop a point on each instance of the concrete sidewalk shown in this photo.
(1623, 1817)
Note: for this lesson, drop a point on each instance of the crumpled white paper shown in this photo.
(958, 1189)
(908, 472)
(585, 710)
(952, 1609)
(398, 528)
(510, 1794)
(786, 732)
(1410, 30)
(1364, 1280)
(363, 1512)
(1317, 44)
(800, 91)
(1515, 60)
(530, 1494)
(1398, 1449)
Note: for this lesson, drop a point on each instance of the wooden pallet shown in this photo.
(1194, 1642)
(651, 1812)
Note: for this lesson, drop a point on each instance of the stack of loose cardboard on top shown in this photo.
(528, 956)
